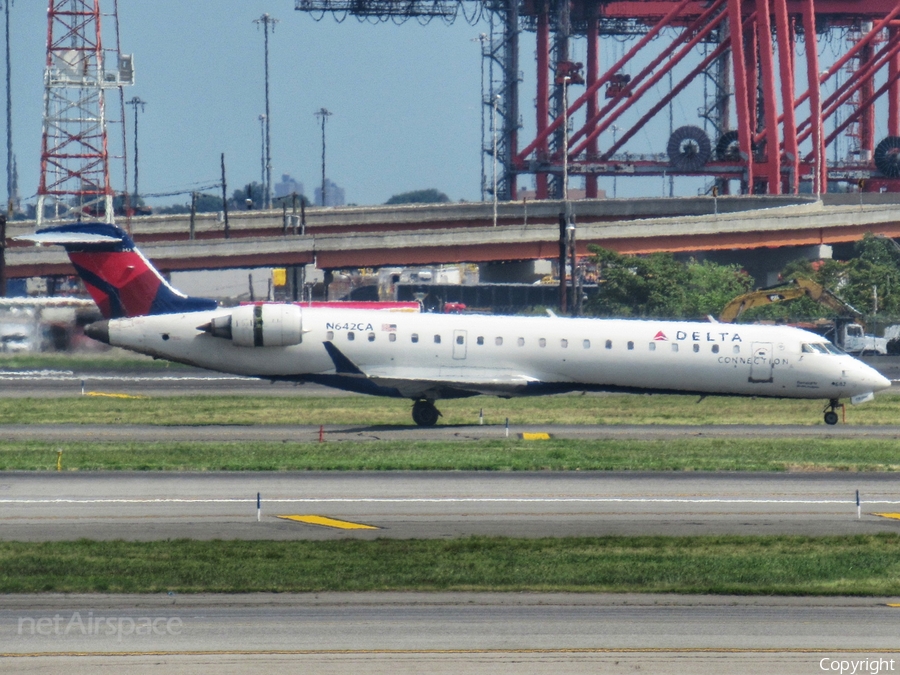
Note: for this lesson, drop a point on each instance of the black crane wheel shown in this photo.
(887, 156)
(689, 148)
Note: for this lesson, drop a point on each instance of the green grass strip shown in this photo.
(782, 565)
(513, 455)
(366, 410)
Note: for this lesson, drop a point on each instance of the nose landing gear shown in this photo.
(831, 416)
(424, 413)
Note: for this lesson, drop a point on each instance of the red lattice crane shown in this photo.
(74, 147)
(757, 139)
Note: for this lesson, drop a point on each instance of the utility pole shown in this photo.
(134, 103)
(224, 198)
(267, 21)
(324, 113)
(262, 152)
(9, 148)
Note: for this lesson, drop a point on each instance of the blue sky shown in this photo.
(405, 98)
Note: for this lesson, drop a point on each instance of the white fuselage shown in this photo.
(438, 356)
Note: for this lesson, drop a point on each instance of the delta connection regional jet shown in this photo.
(427, 357)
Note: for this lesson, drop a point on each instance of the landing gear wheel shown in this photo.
(425, 414)
(831, 417)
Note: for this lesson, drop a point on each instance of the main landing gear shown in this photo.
(424, 413)
(831, 416)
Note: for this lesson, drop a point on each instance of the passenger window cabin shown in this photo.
(437, 339)
(609, 344)
(630, 345)
(479, 340)
(521, 342)
(414, 337)
(586, 344)
(652, 346)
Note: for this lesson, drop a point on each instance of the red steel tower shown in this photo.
(74, 148)
(766, 125)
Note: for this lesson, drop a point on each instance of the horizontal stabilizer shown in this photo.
(66, 238)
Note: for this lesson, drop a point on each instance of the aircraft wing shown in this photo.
(435, 381)
(420, 382)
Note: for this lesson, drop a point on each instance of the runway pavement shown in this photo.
(124, 433)
(398, 633)
(177, 381)
(152, 506)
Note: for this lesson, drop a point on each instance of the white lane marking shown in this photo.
(69, 376)
(443, 500)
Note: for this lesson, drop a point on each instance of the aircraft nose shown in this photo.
(872, 380)
(882, 382)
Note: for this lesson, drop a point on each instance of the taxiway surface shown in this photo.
(398, 633)
(164, 505)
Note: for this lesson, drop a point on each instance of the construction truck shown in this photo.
(847, 331)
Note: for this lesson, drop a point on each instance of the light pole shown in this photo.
(615, 129)
(267, 21)
(496, 101)
(9, 148)
(324, 114)
(134, 103)
(262, 152)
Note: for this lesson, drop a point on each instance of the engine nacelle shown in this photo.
(266, 325)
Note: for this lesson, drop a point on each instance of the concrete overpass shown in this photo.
(432, 234)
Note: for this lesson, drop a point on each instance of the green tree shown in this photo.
(659, 285)
(430, 196)
(253, 191)
(875, 266)
(206, 203)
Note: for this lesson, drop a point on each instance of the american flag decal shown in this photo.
(389, 327)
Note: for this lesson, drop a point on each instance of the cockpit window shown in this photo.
(818, 348)
(832, 349)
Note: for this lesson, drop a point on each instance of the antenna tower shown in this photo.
(74, 149)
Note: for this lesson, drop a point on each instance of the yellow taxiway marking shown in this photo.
(330, 522)
(895, 516)
(535, 436)
(100, 393)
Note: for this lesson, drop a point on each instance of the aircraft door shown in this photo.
(459, 344)
(762, 364)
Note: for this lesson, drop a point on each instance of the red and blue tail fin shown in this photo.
(122, 282)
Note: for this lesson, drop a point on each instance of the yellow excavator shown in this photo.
(849, 329)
